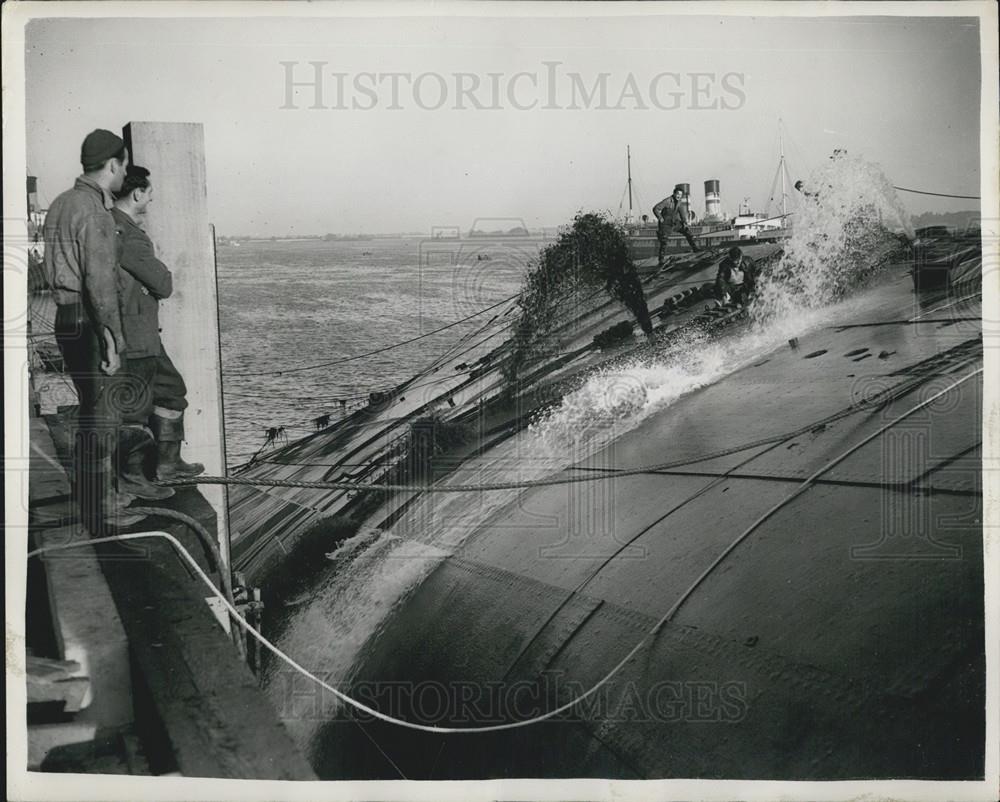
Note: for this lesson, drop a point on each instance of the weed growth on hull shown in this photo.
(591, 253)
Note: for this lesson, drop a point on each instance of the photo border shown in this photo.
(33, 785)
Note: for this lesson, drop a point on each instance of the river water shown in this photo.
(288, 304)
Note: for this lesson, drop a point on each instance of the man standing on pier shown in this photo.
(143, 281)
(671, 213)
(80, 269)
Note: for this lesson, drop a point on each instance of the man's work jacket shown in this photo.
(671, 214)
(142, 281)
(80, 258)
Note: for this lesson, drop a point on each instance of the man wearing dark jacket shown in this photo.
(671, 214)
(143, 281)
(80, 270)
(737, 278)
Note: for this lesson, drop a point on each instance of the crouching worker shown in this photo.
(143, 281)
(736, 281)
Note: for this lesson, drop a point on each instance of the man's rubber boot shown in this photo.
(134, 482)
(169, 464)
(103, 507)
(169, 433)
(116, 511)
(131, 477)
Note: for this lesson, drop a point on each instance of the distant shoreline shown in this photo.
(917, 220)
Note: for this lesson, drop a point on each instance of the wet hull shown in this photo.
(842, 638)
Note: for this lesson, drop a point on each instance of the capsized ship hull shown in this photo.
(841, 637)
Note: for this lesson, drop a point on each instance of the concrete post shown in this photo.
(177, 222)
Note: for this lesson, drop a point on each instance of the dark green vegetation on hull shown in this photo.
(591, 253)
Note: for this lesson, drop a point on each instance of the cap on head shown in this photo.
(99, 146)
(735, 253)
(798, 185)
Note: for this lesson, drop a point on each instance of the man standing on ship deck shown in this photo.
(143, 281)
(671, 213)
(79, 267)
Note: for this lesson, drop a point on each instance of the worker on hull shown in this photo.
(736, 280)
(671, 215)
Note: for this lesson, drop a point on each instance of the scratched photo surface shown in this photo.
(505, 396)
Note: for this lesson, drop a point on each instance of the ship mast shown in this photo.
(782, 173)
(628, 159)
(782, 170)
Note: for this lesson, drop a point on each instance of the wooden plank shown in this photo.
(45, 669)
(177, 222)
(69, 691)
(56, 681)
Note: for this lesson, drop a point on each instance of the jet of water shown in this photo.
(848, 229)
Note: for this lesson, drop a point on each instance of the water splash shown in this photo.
(613, 402)
(849, 223)
(616, 399)
(373, 572)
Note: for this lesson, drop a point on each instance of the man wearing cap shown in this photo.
(80, 269)
(736, 280)
(143, 281)
(671, 213)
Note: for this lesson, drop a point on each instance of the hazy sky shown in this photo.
(695, 97)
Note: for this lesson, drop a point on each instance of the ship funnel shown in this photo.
(712, 201)
(34, 221)
(32, 186)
